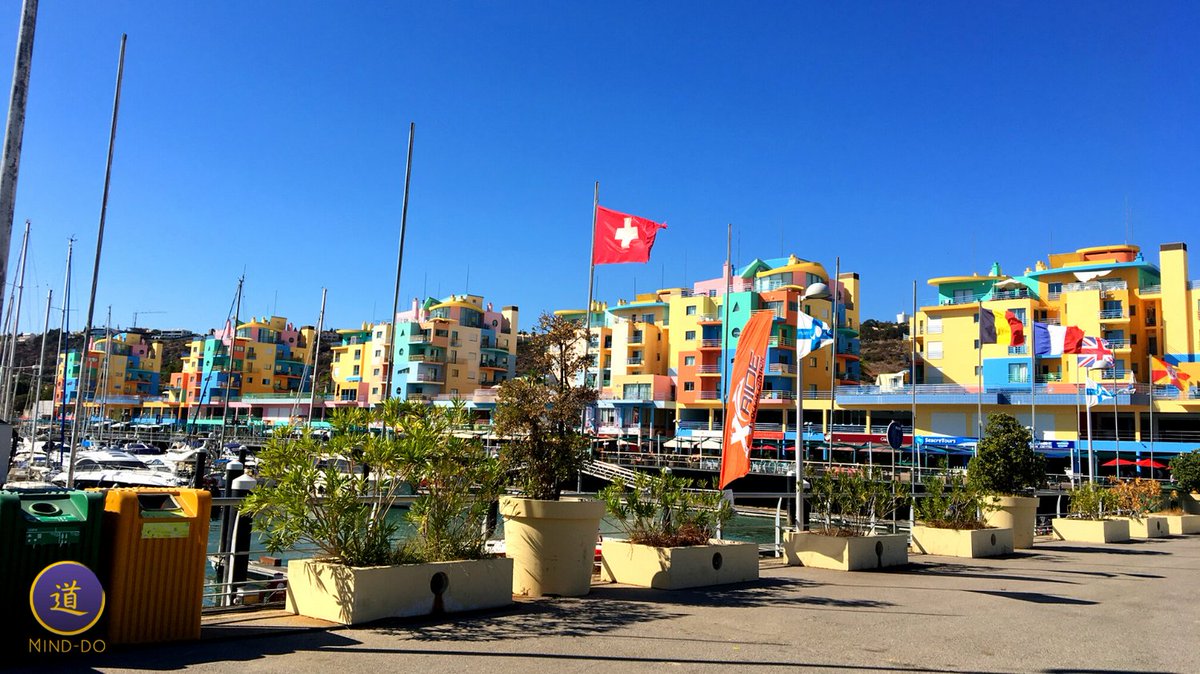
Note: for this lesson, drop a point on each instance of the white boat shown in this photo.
(114, 468)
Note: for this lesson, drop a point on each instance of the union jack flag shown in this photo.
(1094, 353)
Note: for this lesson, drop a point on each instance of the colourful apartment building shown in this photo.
(122, 372)
(660, 359)
(259, 369)
(361, 359)
(1142, 309)
(456, 347)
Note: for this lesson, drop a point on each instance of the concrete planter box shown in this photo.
(962, 542)
(1190, 503)
(1090, 531)
(718, 563)
(353, 595)
(853, 553)
(552, 544)
(1180, 525)
(1148, 526)
(1018, 513)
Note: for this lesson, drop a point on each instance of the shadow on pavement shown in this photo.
(174, 656)
(1037, 597)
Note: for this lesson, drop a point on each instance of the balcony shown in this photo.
(1150, 290)
(708, 395)
(710, 344)
(781, 368)
(708, 369)
(1018, 350)
(426, 358)
(777, 395)
(634, 361)
(785, 342)
(1113, 374)
(1118, 344)
(1111, 314)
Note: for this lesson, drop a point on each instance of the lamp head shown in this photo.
(816, 291)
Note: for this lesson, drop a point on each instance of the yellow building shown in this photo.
(360, 363)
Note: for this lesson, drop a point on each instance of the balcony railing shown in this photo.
(781, 341)
(636, 360)
(781, 368)
(708, 369)
(1106, 314)
(708, 395)
(1113, 374)
(777, 395)
(710, 343)
(1117, 343)
(1018, 350)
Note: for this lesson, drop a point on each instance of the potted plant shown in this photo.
(1088, 520)
(339, 496)
(1178, 522)
(1004, 467)
(552, 540)
(1134, 499)
(671, 528)
(1185, 470)
(847, 506)
(949, 521)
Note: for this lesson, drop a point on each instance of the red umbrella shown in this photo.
(1119, 462)
(1149, 463)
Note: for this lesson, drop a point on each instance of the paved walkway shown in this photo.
(1059, 608)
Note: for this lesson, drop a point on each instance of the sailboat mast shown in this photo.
(10, 354)
(237, 310)
(112, 140)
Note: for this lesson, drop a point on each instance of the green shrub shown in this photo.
(1185, 470)
(1005, 463)
(1138, 496)
(1090, 501)
(540, 411)
(337, 495)
(949, 503)
(852, 502)
(666, 511)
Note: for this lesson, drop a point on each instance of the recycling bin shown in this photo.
(39, 528)
(157, 540)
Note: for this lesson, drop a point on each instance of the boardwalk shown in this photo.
(1062, 607)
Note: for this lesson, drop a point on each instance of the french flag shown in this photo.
(1055, 340)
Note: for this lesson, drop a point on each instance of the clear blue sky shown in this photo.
(911, 139)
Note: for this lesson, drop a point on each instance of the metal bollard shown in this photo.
(239, 558)
(233, 470)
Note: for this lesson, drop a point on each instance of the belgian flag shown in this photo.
(1004, 329)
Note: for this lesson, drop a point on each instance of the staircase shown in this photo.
(609, 471)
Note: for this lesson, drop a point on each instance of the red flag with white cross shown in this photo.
(620, 237)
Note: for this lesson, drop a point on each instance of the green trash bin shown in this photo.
(37, 529)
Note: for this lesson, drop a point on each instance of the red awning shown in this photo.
(1119, 462)
(1149, 463)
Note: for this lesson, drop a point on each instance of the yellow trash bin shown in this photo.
(157, 542)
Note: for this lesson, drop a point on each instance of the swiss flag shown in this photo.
(620, 237)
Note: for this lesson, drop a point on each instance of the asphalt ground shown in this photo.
(1062, 607)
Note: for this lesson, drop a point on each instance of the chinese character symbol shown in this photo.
(67, 598)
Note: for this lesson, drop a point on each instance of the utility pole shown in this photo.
(10, 162)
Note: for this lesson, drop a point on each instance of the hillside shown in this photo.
(885, 348)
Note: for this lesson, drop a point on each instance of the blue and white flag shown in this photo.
(811, 334)
(1097, 394)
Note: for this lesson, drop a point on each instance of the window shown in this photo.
(266, 382)
(691, 310)
(1054, 288)
(977, 345)
(935, 326)
(378, 352)
(736, 332)
(358, 353)
(689, 334)
(976, 370)
(975, 316)
(962, 296)
(376, 372)
(689, 360)
(636, 392)
(812, 362)
(933, 350)
(689, 386)
(1018, 373)
(356, 371)
(453, 373)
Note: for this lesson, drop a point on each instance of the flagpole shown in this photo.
(979, 381)
(799, 426)
(1033, 373)
(1091, 451)
(837, 273)
(1116, 431)
(1150, 379)
(587, 311)
(1075, 450)
(725, 324)
(391, 347)
(912, 338)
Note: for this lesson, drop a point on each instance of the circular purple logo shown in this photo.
(66, 598)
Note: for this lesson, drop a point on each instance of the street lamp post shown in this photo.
(815, 291)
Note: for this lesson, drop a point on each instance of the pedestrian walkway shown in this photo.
(1061, 607)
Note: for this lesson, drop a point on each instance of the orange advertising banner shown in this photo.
(745, 386)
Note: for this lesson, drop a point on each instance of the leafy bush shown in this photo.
(1138, 496)
(666, 511)
(1090, 501)
(1185, 470)
(540, 411)
(949, 503)
(851, 502)
(1006, 463)
(337, 495)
